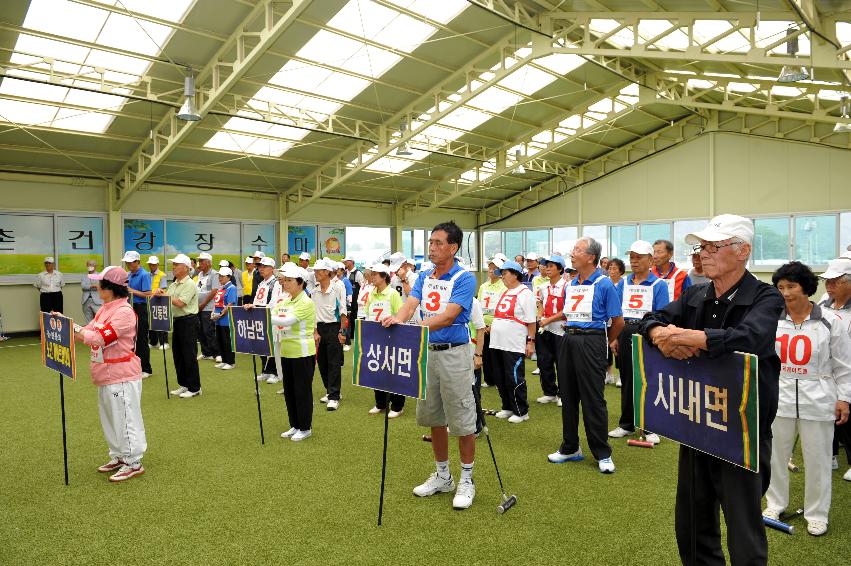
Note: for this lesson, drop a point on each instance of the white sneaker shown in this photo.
(394, 414)
(146, 375)
(610, 379)
(772, 512)
(346, 348)
(227, 366)
(834, 464)
(618, 383)
(544, 399)
(606, 466)
(189, 394)
(485, 385)
(164, 347)
(558, 458)
(464, 495)
(273, 379)
(375, 411)
(332, 405)
(180, 390)
(218, 365)
(503, 414)
(816, 528)
(652, 437)
(263, 377)
(558, 401)
(203, 357)
(323, 399)
(289, 433)
(301, 435)
(161, 347)
(847, 476)
(536, 371)
(280, 391)
(435, 484)
(620, 433)
(514, 419)
(219, 359)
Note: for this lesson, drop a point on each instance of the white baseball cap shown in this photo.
(411, 261)
(396, 261)
(304, 255)
(498, 260)
(224, 263)
(49, 259)
(131, 256)
(837, 268)
(153, 260)
(641, 247)
(267, 261)
(226, 271)
(259, 254)
(380, 268)
(249, 259)
(724, 227)
(204, 255)
(182, 259)
(324, 264)
(289, 269)
(348, 258)
(531, 256)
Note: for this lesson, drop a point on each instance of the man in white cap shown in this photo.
(49, 283)
(358, 281)
(183, 294)
(90, 298)
(304, 263)
(208, 282)
(735, 313)
(329, 299)
(257, 276)
(159, 280)
(532, 277)
(139, 286)
(837, 283)
(266, 294)
(402, 277)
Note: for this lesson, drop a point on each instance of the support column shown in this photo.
(115, 228)
(283, 226)
(396, 229)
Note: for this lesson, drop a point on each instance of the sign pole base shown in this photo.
(64, 434)
(257, 395)
(383, 463)
(165, 370)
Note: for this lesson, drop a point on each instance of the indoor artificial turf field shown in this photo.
(212, 494)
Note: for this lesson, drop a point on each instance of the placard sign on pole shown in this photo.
(709, 405)
(159, 313)
(251, 333)
(57, 353)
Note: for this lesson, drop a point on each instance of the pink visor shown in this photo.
(113, 274)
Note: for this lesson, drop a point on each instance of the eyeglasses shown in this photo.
(710, 247)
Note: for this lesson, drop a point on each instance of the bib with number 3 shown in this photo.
(436, 295)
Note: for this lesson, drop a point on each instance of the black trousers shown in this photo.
(581, 376)
(143, 350)
(207, 334)
(329, 356)
(487, 361)
(51, 302)
(397, 402)
(712, 485)
(353, 316)
(157, 338)
(510, 373)
(298, 390)
(223, 339)
(627, 420)
(546, 347)
(184, 349)
(842, 433)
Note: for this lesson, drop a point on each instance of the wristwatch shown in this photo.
(530, 339)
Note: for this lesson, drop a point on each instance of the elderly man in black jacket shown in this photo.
(735, 312)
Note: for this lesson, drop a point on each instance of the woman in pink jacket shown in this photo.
(117, 372)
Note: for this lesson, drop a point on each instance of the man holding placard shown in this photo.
(444, 295)
(735, 313)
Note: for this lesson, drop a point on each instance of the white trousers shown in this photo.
(816, 445)
(120, 406)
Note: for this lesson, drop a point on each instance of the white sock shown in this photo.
(467, 472)
(443, 469)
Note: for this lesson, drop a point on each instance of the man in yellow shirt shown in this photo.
(247, 280)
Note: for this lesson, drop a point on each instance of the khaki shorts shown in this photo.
(449, 393)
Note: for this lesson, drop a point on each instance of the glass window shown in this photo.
(815, 239)
(419, 242)
(407, 242)
(770, 242)
(844, 232)
(538, 241)
(653, 232)
(467, 253)
(367, 245)
(564, 238)
(599, 233)
(682, 252)
(620, 239)
(492, 245)
(513, 244)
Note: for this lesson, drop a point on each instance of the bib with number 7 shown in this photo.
(579, 300)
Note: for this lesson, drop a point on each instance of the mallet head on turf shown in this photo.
(507, 503)
(639, 443)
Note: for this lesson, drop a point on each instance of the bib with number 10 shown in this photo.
(637, 300)
(794, 347)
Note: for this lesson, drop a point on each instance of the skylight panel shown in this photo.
(344, 53)
(674, 41)
(372, 21)
(64, 18)
(843, 33)
(465, 118)
(621, 39)
(786, 91)
(72, 119)
(443, 11)
(26, 113)
(135, 35)
(35, 91)
(171, 10)
(527, 80)
(560, 63)
(495, 100)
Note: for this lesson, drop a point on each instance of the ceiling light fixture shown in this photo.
(402, 150)
(845, 110)
(187, 110)
(792, 73)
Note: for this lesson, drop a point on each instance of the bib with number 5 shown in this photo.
(637, 300)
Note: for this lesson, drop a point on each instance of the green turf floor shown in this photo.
(213, 495)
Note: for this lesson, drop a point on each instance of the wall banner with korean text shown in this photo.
(146, 237)
(332, 242)
(251, 330)
(391, 359)
(159, 313)
(709, 405)
(258, 238)
(219, 239)
(301, 239)
(79, 239)
(25, 240)
(57, 344)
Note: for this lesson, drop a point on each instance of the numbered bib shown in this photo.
(578, 301)
(637, 300)
(672, 286)
(794, 347)
(489, 300)
(96, 355)
(261, 299)
(219, 298)
(436, 295)
(507, 306)
(377, 309)
(552, 298)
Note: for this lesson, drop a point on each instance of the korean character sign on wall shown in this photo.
(159, 312)
(251, 330)
(391, 359)
(709, 405)
(57, 344)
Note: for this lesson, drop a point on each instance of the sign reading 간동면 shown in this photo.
(711, 405)
(391, 359)
(159, 312)
(251, 330)
(57, 344)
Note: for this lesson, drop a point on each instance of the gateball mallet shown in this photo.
(508, 501)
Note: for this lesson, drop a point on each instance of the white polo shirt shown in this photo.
(331, 303)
